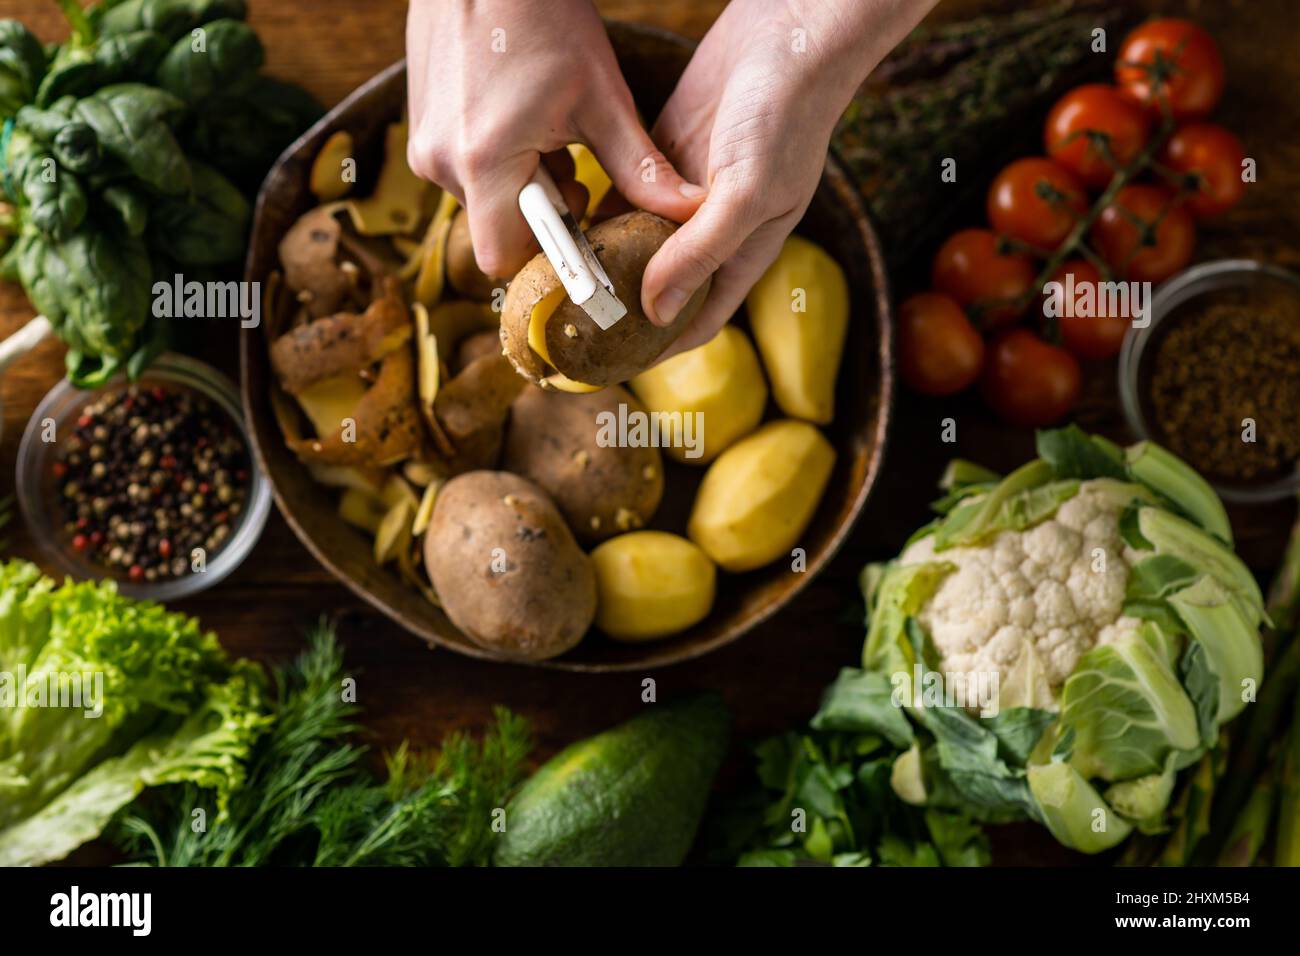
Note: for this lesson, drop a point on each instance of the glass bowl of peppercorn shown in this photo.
(149, 483)
(1215, 376)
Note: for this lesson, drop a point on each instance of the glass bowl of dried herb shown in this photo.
(1215, 376)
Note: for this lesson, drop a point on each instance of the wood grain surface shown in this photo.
(772, 678)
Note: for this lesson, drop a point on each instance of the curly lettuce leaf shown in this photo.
(208, 748)
(158, 701)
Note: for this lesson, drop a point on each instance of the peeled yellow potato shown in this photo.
(720, 380)
(760, 494)
(651, 584)
(799, 312)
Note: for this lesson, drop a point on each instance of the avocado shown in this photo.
(631, 796)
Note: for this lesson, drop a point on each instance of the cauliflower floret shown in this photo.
(1057, 589)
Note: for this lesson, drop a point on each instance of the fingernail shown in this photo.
(692, 191)
(670, 303)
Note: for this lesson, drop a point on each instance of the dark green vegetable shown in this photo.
(22, 64)
(129, 56)
(132, 122)
(72, 72)
(824, 794)
(631, 796)
(93, 287)
(169, 18)
(129, 208)
(73, 143)
(227, 63)
(242, 136)
(53, 197)
(95, 163)
(207, 230)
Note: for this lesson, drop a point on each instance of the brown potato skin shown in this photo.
(308, 254)
(544, 601)
(472, 410)
(578, 347)
(477, 345)
(387, 420)
(462, 268)
(343, 342)
(601, 491)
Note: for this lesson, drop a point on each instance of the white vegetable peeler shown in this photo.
(569, 252)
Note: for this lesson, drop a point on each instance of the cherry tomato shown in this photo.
(1036, 201)
(939, 351)
(1029, 382)
(1214, 156)
(1172, 62)
(1088, 335)
(970, 268)
(1099, 110)
(1147, 252)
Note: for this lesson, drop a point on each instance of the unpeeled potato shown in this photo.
(544, 333)
(760, 494)
(561, 442)
(506, 568)
(720, 381)
(651, 584)
(799, 313)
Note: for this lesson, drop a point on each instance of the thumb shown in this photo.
(638, 169)
(691, 255)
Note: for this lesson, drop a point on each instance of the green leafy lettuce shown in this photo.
(159, 703)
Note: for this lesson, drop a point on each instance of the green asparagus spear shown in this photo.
(1287, 851)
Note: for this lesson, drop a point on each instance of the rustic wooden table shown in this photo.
(772, 678)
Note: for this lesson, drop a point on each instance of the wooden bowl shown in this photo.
(651, 60)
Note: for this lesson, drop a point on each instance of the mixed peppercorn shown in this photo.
(152, 481)
(1225, 386)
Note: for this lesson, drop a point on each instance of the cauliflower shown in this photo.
(1099, 586)
(1053, 592)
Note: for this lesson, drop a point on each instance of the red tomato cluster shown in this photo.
(1168, 78)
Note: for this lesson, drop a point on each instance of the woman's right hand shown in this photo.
(495, 86)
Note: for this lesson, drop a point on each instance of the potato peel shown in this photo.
(398, 192)
(394, 532)
(327, 180)
(432, 278)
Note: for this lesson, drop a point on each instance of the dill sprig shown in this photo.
(308, 799)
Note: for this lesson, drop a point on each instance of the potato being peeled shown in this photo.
(555, 344)
(506, 568)
(651, 584)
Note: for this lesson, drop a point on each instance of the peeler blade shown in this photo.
(561, 239)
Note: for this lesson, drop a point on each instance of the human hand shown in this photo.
(752, 118)
(495, 85)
